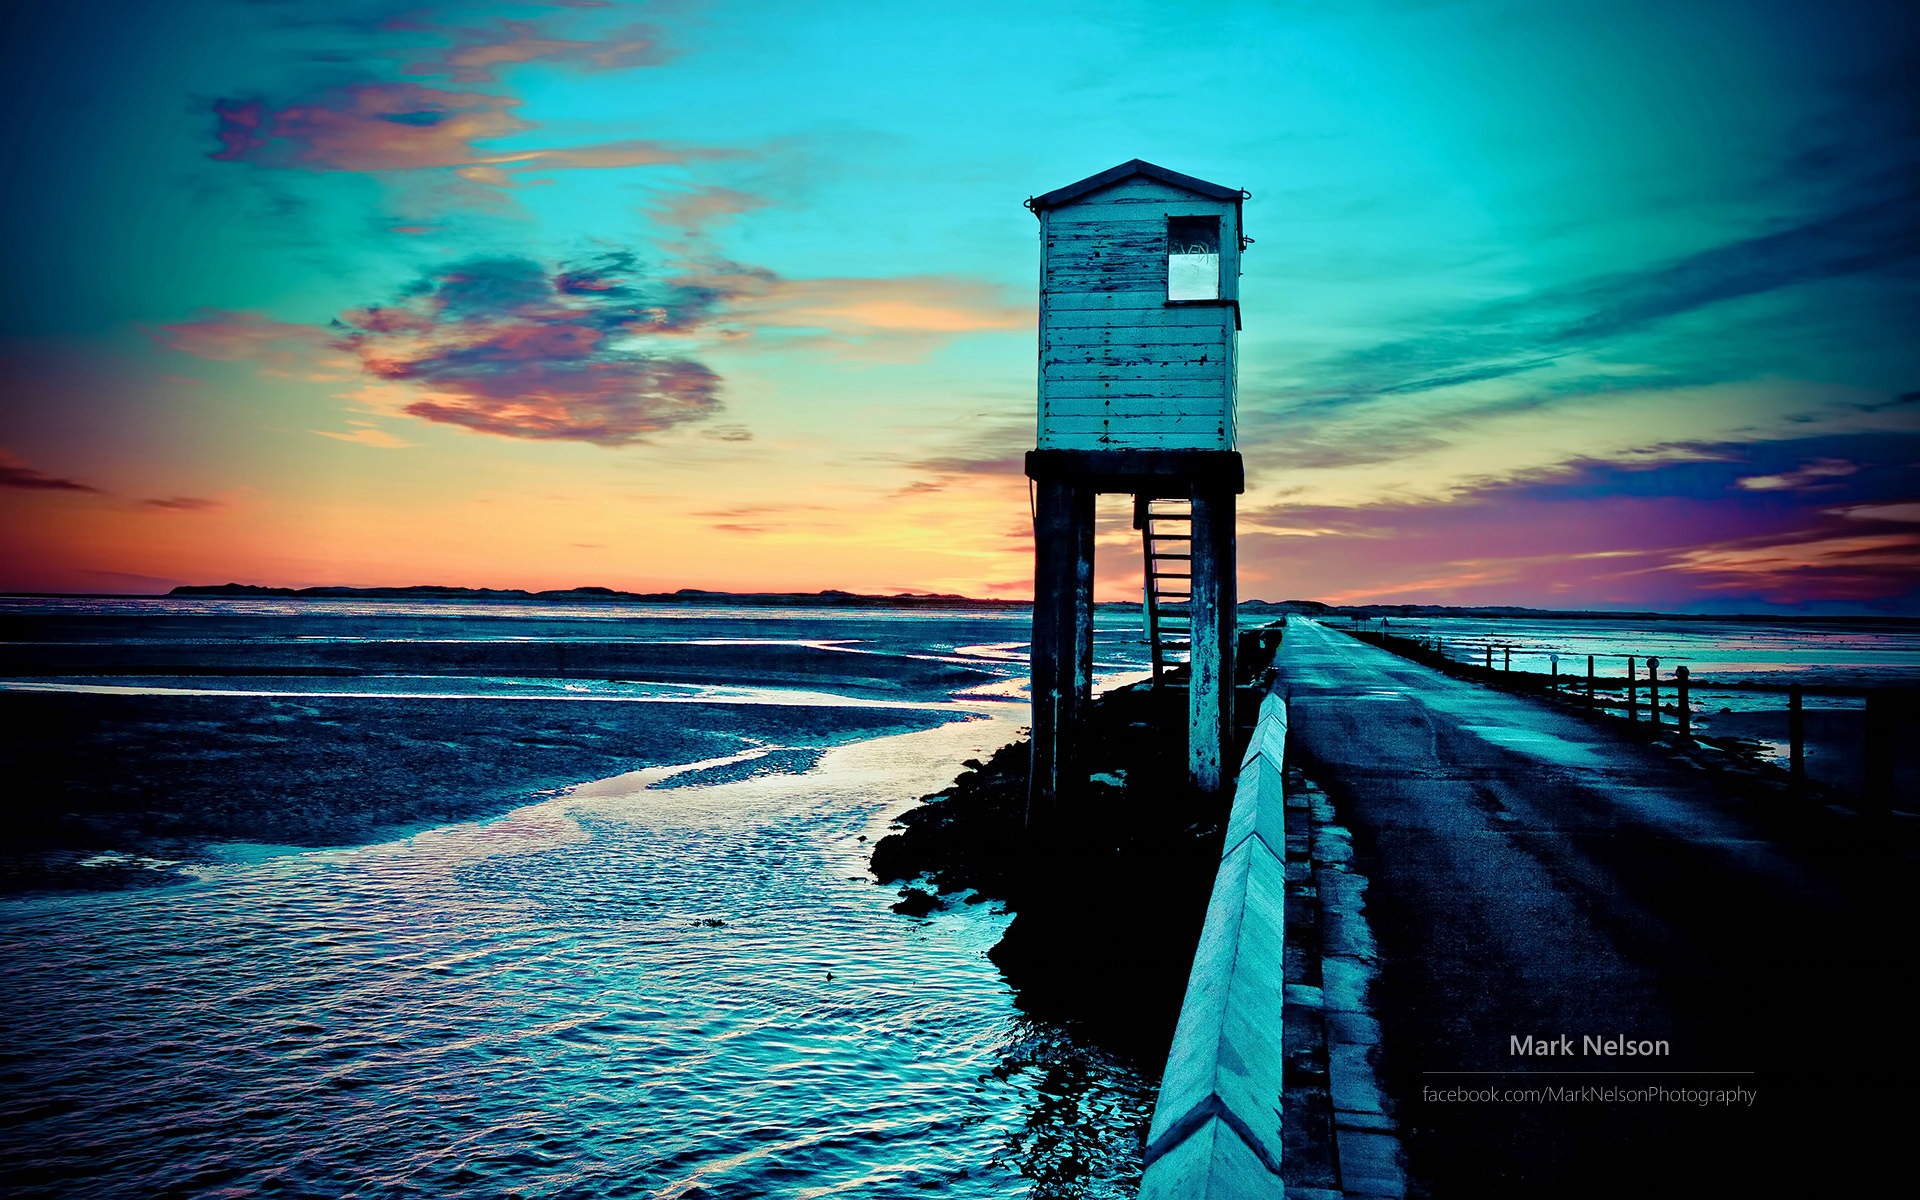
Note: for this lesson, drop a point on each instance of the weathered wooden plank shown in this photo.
(1215, 404)
(1059, 417)
(1166, 389)
(1094, 251)
(1149, 377)
(1153, 299)
(1150, 230)
(1140, 185)
(1129, 224)
(1134, 439)
(1135, 407)
(1131, 358)
(1151, 267)
(1131, 208)
(1142, 395)
(1101, 256)
(1124, 374)
(1209, 424)
(1109, 274)
(1126, 358)
(1133, 410)
(1175, 339)
(1211, 432)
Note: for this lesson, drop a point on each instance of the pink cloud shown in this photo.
(512, 348)
(382, 126)
(1611, 535)
(477, 55)
(226, 335)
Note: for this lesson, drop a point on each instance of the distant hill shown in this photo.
(601, 595)
(937, 600)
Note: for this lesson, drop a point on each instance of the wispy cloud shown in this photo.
(1821, 472)
(183, 504)
(477, 54)
(386, 119)
(15, 474)
(367, 435)
(1620, 534)
(383, 126)
(1870, 231)
(226, 335)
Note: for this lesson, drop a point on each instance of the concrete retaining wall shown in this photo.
(1216, 1125)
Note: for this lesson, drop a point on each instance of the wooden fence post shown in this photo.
(1653, 690)
(1887, 710)
(1589, 681)
(1796, 740)
(1633, 692)
(1680, 675)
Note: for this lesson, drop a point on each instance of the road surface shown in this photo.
(1537, 875)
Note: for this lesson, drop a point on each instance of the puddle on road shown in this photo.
(1541, 745)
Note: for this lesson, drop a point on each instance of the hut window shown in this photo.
(1193, 258)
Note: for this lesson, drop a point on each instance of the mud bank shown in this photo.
(1106, 927)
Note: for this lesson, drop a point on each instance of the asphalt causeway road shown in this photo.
(1537, 875)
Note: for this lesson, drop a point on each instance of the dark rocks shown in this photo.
(1107, 922)
(916, 903)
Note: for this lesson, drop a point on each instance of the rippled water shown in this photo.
(680, 982)
(629, 991)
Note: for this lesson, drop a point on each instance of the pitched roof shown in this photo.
(1074, 191)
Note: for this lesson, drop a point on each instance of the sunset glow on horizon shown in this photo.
(1605, 305)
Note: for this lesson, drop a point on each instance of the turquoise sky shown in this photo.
(1574, 304)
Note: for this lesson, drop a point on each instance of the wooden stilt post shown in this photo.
(1083, 508)
(1062, 639)
(1888, 709)
(1210, 695)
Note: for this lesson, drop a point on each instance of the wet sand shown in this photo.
(157, 777)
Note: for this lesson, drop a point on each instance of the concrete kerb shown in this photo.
(1216, 1125)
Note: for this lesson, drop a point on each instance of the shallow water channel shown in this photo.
(632, 988)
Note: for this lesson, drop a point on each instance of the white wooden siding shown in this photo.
(1120, 368)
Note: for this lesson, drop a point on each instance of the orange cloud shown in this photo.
(908, 310)
(1830, 567)
(183, 504)
(367, 436)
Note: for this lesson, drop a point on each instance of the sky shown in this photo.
(1606, 304)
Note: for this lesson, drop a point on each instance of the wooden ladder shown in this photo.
(1166, 534)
